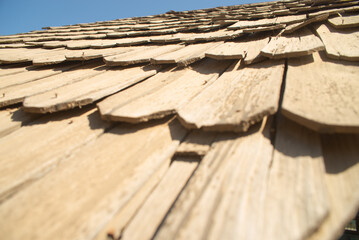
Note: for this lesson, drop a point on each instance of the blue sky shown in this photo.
(18, 16)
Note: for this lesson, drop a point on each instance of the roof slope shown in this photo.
(237, 122)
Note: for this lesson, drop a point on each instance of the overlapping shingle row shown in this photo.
(234, 122)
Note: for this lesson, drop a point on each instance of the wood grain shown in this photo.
(151, 213)
(17, 93)
(296, 200)
(87, 90)
(32, 75)
(300, 43)
(185, 56)
(322, 94)
(340, 153)
(345, 21)
(218, 193)
(227, 50)
(176, 88)
(140, 56)
(196, 144)
(12, 119)
(26, 147)
(241, 97)
(104, 177)
(348, 49)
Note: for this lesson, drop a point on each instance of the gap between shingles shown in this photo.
(273, 130)
(174, 202)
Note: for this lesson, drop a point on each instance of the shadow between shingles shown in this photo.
(129, 128)
(340, 151)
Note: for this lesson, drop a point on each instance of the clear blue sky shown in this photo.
(18, 16)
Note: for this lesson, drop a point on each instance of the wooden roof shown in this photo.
(237, 122)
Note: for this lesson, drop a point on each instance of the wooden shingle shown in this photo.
(322, 94)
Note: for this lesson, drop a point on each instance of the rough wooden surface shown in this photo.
(322, 94)
(238, 99)
(87, 54)
(151, 213)
(300, 43)
(185, 56)
(228, 50)
(217, 190)
(12, 119)
(196, 144)
(249, 49)
(176, 88)
(17, 93)
(56, 133)
(295, 26)
(21, 55)
(257, 23)
(87, 90)
(86, 190)
(13, 69)
(53, 57)
(140, 56)
(345, 21)
(31, 75)
(296, 199)
(340, 153)
(115, 227)
(348, 49)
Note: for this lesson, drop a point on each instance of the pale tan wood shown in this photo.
(52, 44)
(235, 164)
(296, 200)
(87, 54)
(161, 95)
(249, 49)
(105, 43)
(114, 228)
(342, 179)
(151, 213)
(290, 19)
(14, 45)
(110, 104)
(219, 35)
(241, 97)
(294, 27)
(197, 144)
(20, 55)
(17, 93)
(250, 24)
(140, 56)
(264, 29)
(334, 11)
(52, 57)
(13, 69)
(82, 44)
(173, 38)
(345, 21)
(209, 165)
(185, 56)
(88, 188)
(32, 75)
(348, 49)
(87, 90)
(228, 50)
(24, 155)
(322, 94)
(12, 119)
(300, 43)
(234, 197)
